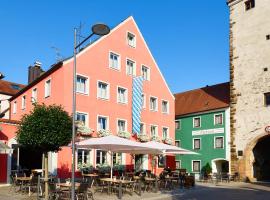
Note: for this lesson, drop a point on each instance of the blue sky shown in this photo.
(188, 39)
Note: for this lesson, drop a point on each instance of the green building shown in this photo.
(202, 124)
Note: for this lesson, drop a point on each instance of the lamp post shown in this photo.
(97, 29)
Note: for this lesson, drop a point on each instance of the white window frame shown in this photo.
(180, 164)
(179, 141)
(156, 110)
(215, 118)
(126, 95)
(14, 107)
(90, 152)
(148, 74)
(153, 125)
(144, 128)
(135, 40)
(48, 90)
(192, 166)
(194, 122)
(168, 106)
(134, 69)
(120, 119)
(87, 86)
(34, 95)
(106, 154)
(107, 124)
(215, 142)
(86, 117)
(23, 102)
(193, 143)
(144, 101)
(168, 132)
(179, 121)
(119, 59)
(108, 88)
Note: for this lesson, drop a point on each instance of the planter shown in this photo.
(103, 133)
(155, 138)
(124, 134)
(143, 138)
(167, 141)
(83, 130)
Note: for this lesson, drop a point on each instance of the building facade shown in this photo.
(250, 87)
(202, 125)
(106, 72)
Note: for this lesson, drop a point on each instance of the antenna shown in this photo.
(79, 33)
(58, 56)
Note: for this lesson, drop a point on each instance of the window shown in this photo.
(165, 132)
(267, 99)
(102, 123)
(81, 117)
(101, 157)
(15, 107)
(154, 131)
(219, 142)
(131, 39)
(143, 101)
(131, 67)
(196, 166)
(114, 61)
(83, 156)
(142, 128)
(249, 4)
(161, 161)
(48, 88)
(153, 104)
(178, 125)
(103, 90)
(34, 95)
(117, 158)
(218, 119)
(178, 164)
(82, 84)
(121, 125)
(145, 73)
(122, 95)
(196, 122)
(165, 106)
(197, 144)
(23, 102)
(177, 143)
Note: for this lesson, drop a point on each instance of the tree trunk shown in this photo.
(46, 176)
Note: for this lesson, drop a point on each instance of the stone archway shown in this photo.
(248, 165)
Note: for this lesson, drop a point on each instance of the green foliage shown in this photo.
(207, 169)
(46, 128)
(124, 134)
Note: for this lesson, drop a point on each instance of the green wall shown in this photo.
(207, 151)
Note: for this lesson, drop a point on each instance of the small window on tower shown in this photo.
(267, 99)
(249, 4)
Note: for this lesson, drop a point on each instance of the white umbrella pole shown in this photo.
(111, 164)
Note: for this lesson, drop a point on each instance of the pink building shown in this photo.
(105, 74)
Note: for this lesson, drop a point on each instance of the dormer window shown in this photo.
(131, 39)
(249, 4)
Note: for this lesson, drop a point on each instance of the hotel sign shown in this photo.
(208, 131)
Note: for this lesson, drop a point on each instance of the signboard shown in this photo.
(208, 131)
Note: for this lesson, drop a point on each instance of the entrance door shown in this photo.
(261, 165)
(3, 168)
(138, 162)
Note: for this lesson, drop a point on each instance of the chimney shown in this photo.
(34, 71)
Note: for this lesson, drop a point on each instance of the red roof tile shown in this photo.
(10, 88)
(203, 99)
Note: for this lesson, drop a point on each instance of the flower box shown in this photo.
(143, 137)
(155, 138)
(167, 141)
(103, 133)
(124, 134)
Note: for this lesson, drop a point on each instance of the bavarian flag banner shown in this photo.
(137, 103)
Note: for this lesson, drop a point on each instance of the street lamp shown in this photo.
(97, 29)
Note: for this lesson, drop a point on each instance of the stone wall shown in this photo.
(250, 78)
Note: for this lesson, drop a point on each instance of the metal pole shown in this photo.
(73, 119)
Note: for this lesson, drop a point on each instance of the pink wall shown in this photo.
(93, 62)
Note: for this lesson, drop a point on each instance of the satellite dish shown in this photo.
(100, 29)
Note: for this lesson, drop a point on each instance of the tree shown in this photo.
(47, 128)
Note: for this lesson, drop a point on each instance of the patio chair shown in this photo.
(83, 192)
(54, 192)
(14, 184)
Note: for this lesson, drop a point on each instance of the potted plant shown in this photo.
(83, 130)
(103, 133)
(143, 137)
(124, 134)
(206, 170)
(155, 138)
(167, 141)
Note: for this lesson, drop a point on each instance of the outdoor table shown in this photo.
(170, 180)
(91, 176)
(149, 181)
(117, 181)
(22, 180)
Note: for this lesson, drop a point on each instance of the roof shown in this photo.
(202, 99)
(10, 88)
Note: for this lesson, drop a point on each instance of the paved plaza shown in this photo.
(204, 191)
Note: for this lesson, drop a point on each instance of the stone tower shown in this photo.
(250, 87)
